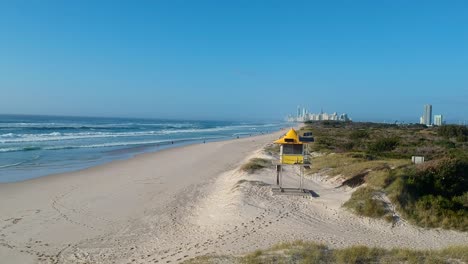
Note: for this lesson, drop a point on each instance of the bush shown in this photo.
(445, 177)
(384, 144)
(359, 134)
(454, 131)
(446, 144)
(347, 146)
(434, 195)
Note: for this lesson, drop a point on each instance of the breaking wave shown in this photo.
(103, 145)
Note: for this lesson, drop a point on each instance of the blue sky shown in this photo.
(376, 60)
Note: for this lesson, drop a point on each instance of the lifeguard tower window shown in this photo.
(293, 149)
(289, 140)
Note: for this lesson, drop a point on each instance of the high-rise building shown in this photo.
(438, 120)
(427, 116)
(298, 111)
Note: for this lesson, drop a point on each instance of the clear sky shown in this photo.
(375, 60)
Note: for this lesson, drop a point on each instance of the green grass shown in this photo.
(256, 164)
(310, 252)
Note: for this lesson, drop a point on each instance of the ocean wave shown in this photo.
(104, 145)
(214, 129)
(84, 126)
(10, 149)
(64, 136)
(19, 163)
(57, 136)
(11, 165)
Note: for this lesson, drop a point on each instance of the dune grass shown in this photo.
(364, 202)
(256, 164)
(310, 252)
(351, 164)
(272, 149)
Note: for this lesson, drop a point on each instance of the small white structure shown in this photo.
(417, 159)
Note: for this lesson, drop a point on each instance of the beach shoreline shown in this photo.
(144, 149)
(178, 203)
(36, 146)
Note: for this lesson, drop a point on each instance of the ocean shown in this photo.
(34, 146)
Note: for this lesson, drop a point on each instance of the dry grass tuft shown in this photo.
(310, 252)
(256, 164)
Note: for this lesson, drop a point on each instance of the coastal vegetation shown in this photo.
(377, 159)
(256, 164)
(310, 252)
(272, 149)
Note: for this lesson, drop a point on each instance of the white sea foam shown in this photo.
(91, 125)
(128, 143)
(10, 165)
(58, 136)
(102, 145)
(10, 149)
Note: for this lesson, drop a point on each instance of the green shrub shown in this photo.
(348, 146)
(384, 144)
(434, 195)
(359, 134)
(445, 177)
(453, 131)
(446, 144)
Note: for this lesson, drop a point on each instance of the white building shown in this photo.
(438, 120)
(427, 115)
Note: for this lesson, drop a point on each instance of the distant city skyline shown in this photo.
(303, 115)
(238, 60)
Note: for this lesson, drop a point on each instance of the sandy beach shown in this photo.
(179, 203)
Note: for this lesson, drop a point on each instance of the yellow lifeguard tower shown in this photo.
(293, 151)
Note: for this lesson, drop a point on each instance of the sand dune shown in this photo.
(176, 204)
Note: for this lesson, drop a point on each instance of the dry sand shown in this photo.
(179, 203)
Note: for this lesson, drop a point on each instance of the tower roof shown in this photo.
(290, 138)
